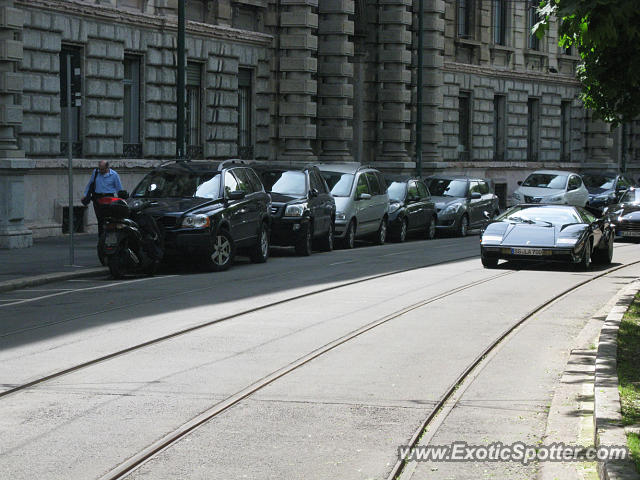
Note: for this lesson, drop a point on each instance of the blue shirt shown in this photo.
(105, 183)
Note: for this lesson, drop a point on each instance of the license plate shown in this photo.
(527, 251)
(625, 233)
(111, 239)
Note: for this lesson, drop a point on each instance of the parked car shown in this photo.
(552, 186)
(605, 188)
(411, 209)
(547, 233)
(461, 202)
(362, 203)
(210, 210)
(302, 208)
(625, 216)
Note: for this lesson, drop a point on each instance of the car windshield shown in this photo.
(164, 184)
(548, 215)
(545, 180)
(397, 191)
(339, 183)
(604, 182)
(288, 182)
(442, 187)
(631, 196)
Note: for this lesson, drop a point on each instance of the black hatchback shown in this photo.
(411, 209)
(208, 210)
(303, 211)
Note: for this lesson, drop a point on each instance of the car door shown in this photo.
(415, 211)
(428, 206)
(487, 201)
(364, 212)
(475, 205)
(379, 199)
(252, 215)
(573, 195)
(622, 185)
(237, 210)
(322, 202)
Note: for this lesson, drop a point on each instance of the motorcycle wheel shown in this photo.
(152, 268)
(116, 267)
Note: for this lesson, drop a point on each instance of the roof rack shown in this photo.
(231, 161)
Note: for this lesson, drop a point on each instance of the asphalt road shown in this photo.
(340, 415)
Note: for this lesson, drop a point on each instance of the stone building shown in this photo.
(282, 81)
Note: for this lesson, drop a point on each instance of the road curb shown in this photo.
(607, 418)
(48, 278)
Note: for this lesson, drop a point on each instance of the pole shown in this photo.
(419, 92)
(180, 93)
(70, 160)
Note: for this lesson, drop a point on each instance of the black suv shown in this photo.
(302, 208)
(209, 209)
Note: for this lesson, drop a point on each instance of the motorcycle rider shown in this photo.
(104, 182)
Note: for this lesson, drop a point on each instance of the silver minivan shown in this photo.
(362, 203)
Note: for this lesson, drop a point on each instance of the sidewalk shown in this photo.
(48, 260)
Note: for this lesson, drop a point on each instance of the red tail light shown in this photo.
(108, 200)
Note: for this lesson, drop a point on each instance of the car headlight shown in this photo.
(517, 196)
(451, 209)
(196, 221)
(296, 210)
(567, 241)
(555, 198)
(393, 207)
(491, 238)
(340, 216)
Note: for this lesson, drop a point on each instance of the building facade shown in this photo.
(282, 81)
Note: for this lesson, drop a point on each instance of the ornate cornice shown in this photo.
(510, 74)
(103, 13)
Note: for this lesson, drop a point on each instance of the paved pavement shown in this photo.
(48, 259)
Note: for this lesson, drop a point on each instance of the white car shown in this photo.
(552, 186)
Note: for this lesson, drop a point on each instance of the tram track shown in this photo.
(136, 461)
(208, 323)
(447, 398)
(171, 438)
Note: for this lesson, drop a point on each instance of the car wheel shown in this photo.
(488, 262)
(605, 256)
(220, 256)
(303, 245)
(260, 252)
(585, 262)
(326, 243)
(401, 234)
(463, 226)
(430, 232)
(381, 235)
(349, 240)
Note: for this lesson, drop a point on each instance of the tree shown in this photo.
(607, 36)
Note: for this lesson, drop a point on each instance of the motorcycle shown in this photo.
(132, 241)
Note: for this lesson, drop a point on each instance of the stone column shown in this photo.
(395, 75)
(13, 165)
(432, 79)
(599, 143)
(298, 64)
(335, 91)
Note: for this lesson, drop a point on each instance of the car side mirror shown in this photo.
(476, 196)
(520, 182)
(363, 196)
(236, 195)
(123, 194)
(313, 193)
